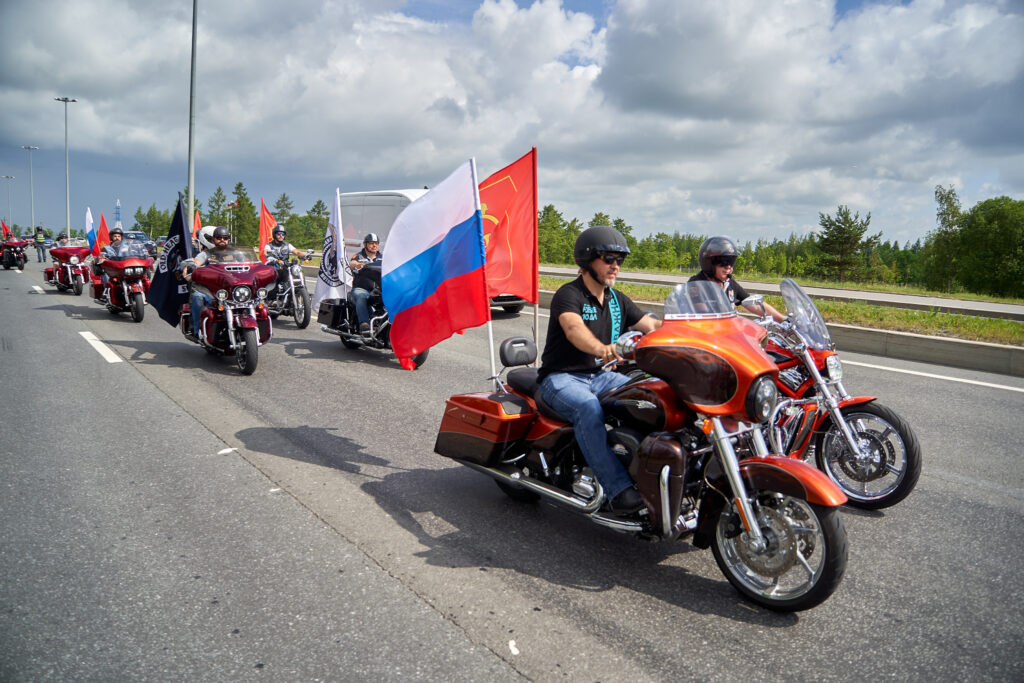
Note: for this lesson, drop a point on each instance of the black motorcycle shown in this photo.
(338, 316)
(291, 296)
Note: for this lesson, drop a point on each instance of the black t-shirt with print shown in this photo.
(733, 291)
(574, 297)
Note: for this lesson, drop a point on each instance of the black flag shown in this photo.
(167, 293)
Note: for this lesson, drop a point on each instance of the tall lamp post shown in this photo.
(9, 178)
(31, 188)
(67, 185)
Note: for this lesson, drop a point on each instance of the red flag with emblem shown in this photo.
(267, 223)
(102, 237)
(7, 231)
(508, 201)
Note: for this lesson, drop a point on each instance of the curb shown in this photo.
(957, 353)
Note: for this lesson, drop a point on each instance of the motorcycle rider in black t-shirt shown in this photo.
(717, 256)
(587, 316)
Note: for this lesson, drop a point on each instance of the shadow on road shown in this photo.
(312, 445)
(464, 521)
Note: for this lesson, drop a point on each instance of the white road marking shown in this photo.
(37, 288)
(101, 348)
(227, 450)
(934, 376)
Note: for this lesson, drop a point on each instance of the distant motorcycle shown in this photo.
(127, 283)
(69, 270)
(12, 254)
(237, 322)
(337, 316)
(868, 450)
(291, 297)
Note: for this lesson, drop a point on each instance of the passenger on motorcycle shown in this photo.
(362, 285)
(277, 252)
(62, 240)
(717, 256)
(115, 250)
(587, 316)
(217, 250)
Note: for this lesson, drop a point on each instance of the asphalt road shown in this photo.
(331, 543)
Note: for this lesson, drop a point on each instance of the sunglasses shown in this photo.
(724, 261)
(220, 237)
(611, 257)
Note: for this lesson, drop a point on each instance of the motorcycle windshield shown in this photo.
(130, 250)
(805, 315)
(697, 299)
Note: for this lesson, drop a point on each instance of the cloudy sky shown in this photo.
(738, 117)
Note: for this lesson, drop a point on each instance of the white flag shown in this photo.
(334, 279)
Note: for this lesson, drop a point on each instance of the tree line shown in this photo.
(980, 250)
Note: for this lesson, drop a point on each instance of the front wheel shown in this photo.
(513, 308)
(301, 307)
(889, 463)
(246, 356)
(79, 285)
(804, 556)
(138, 306)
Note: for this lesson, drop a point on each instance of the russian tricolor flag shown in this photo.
(433, 280)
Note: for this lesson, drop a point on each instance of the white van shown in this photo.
(366, 212)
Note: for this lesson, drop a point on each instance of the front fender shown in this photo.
(246, 322)
(793, 478)
(136, 287)
(857, 400)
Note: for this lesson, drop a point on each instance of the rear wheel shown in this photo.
(804, 558)
(301, 308)
(79, 285)
(138, 306)
(420, 358)
(889, 463)
(246, 356)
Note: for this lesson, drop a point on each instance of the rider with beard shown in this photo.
(362, 285)
(587, 316)
(717, 257)
(117, 249)
(277, 251)
(217, 250)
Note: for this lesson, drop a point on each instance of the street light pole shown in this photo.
(9, 178)
(31, 188)
(67, 185)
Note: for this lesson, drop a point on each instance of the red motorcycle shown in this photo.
(12, 254)
(868, 450)
(237, 323)
(127, 282)
(703, 383)
(69, 270)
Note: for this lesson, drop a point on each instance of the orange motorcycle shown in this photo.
(704, 383)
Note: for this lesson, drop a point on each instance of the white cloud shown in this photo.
(741, 117)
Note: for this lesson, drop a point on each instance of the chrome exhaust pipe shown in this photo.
(587, 507)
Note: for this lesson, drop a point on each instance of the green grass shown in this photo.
(932, 323)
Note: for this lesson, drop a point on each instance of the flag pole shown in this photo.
(483, 252)
(536, 260)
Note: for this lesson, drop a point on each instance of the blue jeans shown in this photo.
(41, 253)
(197, 303)
(361, 298)
(574, 395)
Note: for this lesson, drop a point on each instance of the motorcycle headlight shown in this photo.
(261, 292)
(834, 367)
(74, 260)
(297, 270)
(761, 398)
(222, 295)
(241, 293)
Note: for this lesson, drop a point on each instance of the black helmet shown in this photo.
(278, 230)
(371, 237)
(712, 247)
(62, 236)
(595, 240)
(221, 231)
(116, 231)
